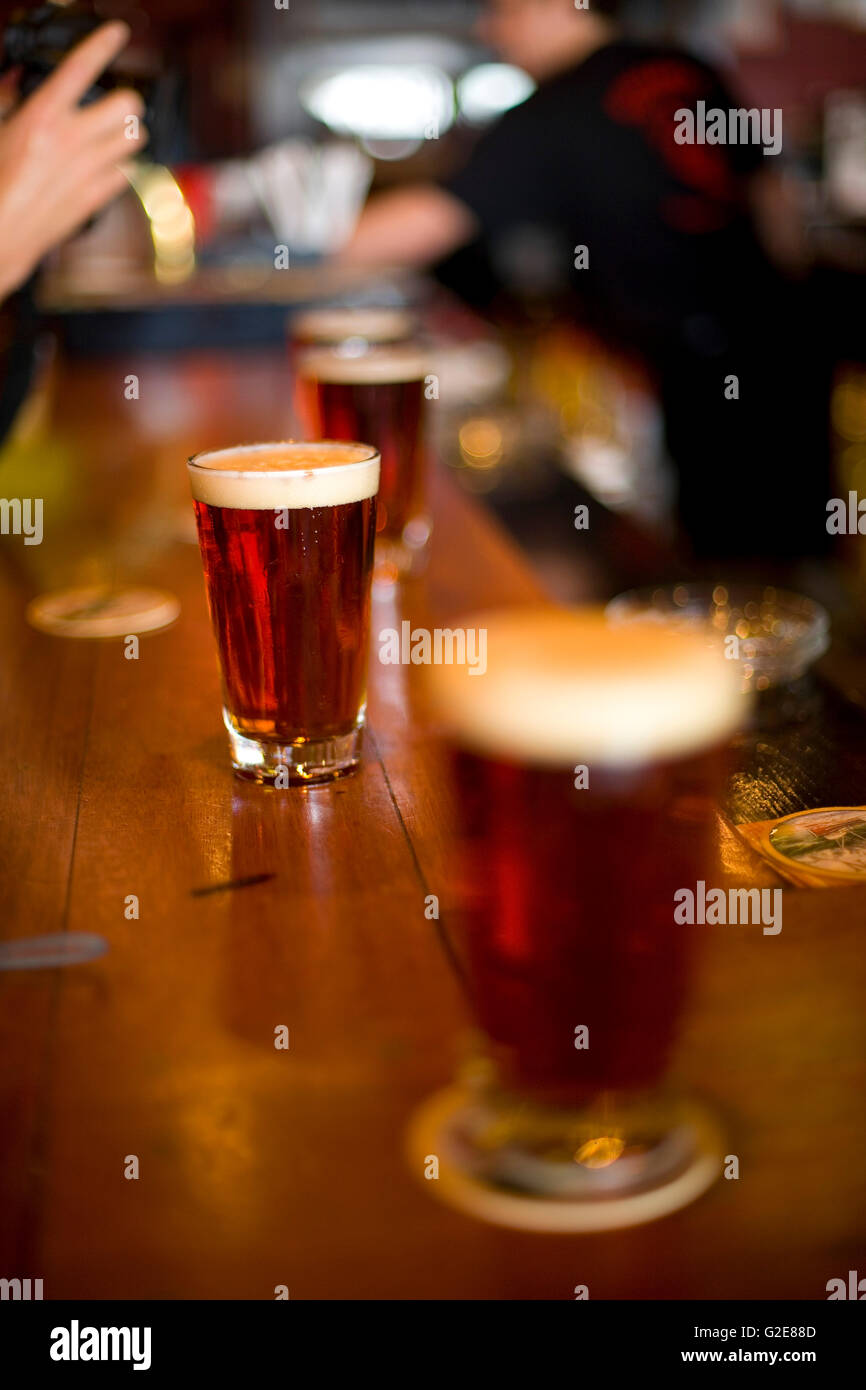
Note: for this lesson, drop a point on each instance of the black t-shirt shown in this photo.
(591, 158)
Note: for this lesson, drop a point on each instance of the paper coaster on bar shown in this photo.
(101, 612)
(814, 849)
(434, 1132)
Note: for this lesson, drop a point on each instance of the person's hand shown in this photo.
(59, 162)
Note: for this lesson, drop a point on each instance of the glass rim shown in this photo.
(195, 460)
(331, 313)
(412, 351)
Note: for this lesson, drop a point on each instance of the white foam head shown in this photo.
(375, 367)
(261, 477)
(564, 686)
(337, 323)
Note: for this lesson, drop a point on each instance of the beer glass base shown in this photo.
(533, 1168)
(303, 764)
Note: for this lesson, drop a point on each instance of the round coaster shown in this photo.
(430, 1134)
(827, 844)
(101, 612)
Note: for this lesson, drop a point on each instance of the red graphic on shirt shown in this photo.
(648, 97)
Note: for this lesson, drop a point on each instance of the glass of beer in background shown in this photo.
(287, 536)
(350, 328)
(586, 761)
(377, 394)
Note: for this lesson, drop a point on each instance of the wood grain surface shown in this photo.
(261, 1167)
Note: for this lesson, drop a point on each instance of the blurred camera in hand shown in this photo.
(37, 40)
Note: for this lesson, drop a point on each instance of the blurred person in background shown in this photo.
(677, 264)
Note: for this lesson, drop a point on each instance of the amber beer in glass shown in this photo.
(287, 537)
(377, 394)
(586, 762)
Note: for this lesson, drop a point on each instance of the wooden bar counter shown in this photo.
(261, 1167)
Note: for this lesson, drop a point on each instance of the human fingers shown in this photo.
(77, 73)
(111, 147)
(81, 202)
(110, 113)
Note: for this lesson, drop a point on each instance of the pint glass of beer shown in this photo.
(378, 395)
(287, 537)
(586, 762)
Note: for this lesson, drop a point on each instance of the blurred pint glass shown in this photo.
(586, 762)
(287, 536)
(377, 394)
